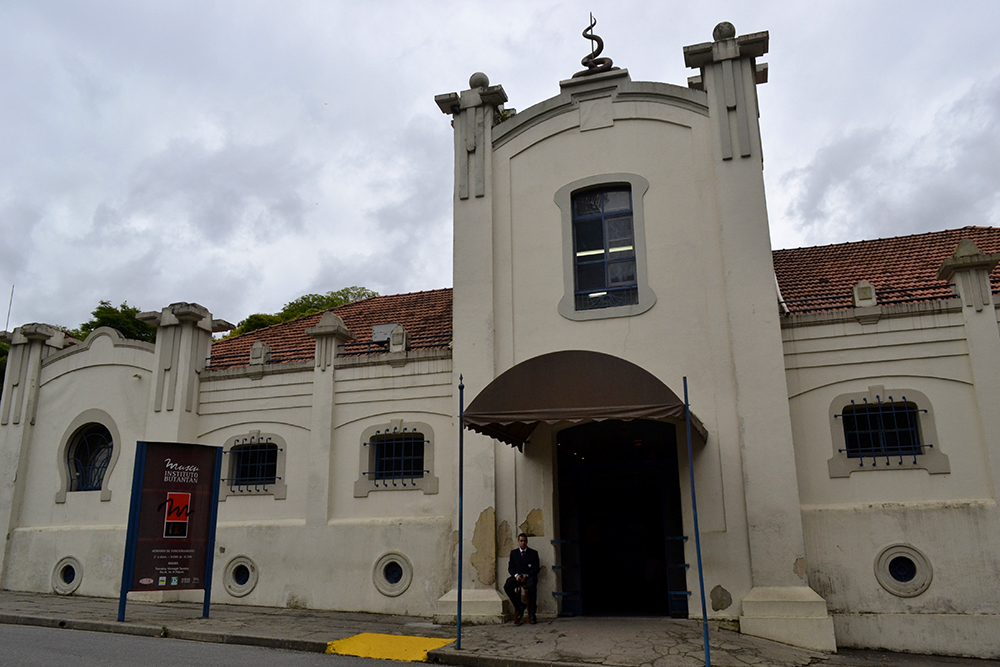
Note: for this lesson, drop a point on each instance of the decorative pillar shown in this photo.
(473, 114)
(780, 605)
(29, 345)
(968, 270)
(183, 343)
(330, 334)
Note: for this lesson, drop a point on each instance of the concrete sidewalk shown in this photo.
(615, 642)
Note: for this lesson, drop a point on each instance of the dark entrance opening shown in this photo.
(621, 549)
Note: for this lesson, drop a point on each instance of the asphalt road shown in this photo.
(29, 646)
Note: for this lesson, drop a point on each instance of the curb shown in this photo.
(164, 631)
(446, 656)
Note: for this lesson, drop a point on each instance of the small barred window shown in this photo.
(882, 430)
(254, 465)
(398, 458)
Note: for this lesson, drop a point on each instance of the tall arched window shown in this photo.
(604, 247)
(88, 456)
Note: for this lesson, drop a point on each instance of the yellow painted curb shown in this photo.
(387, 647)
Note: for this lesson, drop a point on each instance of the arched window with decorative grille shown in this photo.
(88, 456)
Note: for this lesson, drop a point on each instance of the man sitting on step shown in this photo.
(523, 569)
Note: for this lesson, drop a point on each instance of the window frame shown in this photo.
(227, 485)
(564, 198)
(368, 481)
(931, 459)
(85, 419)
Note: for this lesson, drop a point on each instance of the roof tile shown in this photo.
(426, 316)
(820, 278)
(902, 268)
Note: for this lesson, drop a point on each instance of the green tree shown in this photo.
(307, 304)
(254, 322)
(121, 318)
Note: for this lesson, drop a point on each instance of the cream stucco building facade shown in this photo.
(609, 242)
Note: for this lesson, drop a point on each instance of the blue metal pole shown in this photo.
(213, 520)
(697, 533)
(132, 532)
(461, 495)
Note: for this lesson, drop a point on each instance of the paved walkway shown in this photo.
(614, 642)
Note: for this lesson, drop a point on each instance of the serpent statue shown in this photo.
(594, 64)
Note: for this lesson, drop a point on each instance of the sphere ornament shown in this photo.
(479, 80)
(724, 30)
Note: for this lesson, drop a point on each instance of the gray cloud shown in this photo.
(18, 220)
(878, 181)
(222, 152)
(215, 193)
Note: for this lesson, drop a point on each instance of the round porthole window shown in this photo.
(240, 576)
(392, 574)
(903, 570)
(67, 576)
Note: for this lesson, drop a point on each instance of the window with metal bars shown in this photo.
(88, 457)
(604, 257)
(396, 458)
(882, 430)
(253, 465)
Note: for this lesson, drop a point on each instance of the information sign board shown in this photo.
(172, 517)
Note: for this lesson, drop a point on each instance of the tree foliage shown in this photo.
(254, 322)
(121, 318)
(307, 304)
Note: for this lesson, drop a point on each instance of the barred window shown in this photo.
(255, 465)
(872, 431)
(88, 456)
(397, 457)
(882, 430)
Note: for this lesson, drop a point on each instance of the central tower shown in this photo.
(628, 218)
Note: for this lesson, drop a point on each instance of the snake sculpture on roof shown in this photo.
(594, 64)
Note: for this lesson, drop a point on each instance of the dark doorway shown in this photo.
(621, 549)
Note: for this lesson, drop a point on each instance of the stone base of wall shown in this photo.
(971, 635)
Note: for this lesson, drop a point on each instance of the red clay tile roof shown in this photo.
(901, 269)
(426, 316)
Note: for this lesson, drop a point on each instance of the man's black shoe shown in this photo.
(518, 617)
(534, 620)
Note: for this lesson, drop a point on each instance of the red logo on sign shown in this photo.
(178, 508)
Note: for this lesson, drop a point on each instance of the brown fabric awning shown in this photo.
(575, 386)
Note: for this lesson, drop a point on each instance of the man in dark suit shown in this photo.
(523, 569)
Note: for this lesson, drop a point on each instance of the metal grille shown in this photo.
(397, 457)
(253, 465)
(626, 296)
(89, 456)
(882, 430)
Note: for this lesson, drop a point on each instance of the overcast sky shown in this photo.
(241, 154)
